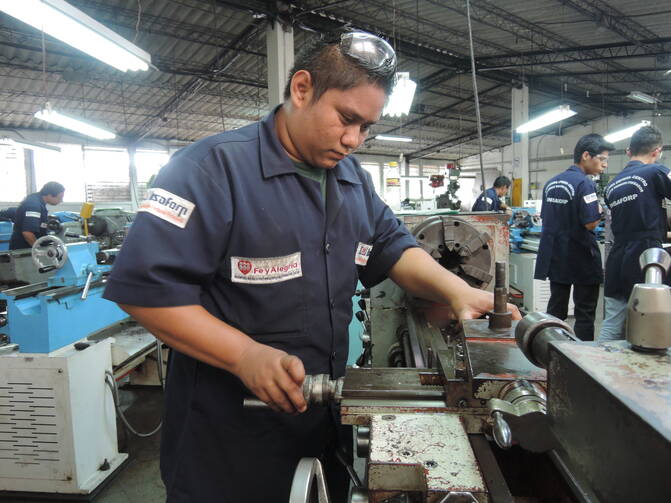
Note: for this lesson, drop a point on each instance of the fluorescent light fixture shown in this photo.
(625, 133)
(385, 137)
(401, 96)
(67, 122)
(556, 115)
(642, 97)
(70, 25)
(33, 145)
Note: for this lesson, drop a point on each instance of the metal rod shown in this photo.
(654, 274)
(475, 91)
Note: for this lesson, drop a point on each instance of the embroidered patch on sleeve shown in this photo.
(168, 207)
(590, 198)
(362, 254)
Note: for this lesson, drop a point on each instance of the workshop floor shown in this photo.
(139, 481)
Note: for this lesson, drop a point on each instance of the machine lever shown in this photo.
(85, 293)
(502, 434)
(48, 268)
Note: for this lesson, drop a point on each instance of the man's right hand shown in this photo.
(274, 376)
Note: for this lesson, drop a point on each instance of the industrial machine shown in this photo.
(450, 199)
(62, 350)
(46, 316)
(107, 226)
(503, 411)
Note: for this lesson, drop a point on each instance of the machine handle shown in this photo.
(85, 293)
(47, 268)
(502, 434)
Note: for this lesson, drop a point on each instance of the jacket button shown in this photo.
(333, 355)
(327, 247)
(332, 303)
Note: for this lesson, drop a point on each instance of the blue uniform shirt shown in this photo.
(568, 252)
(30, 216)
(487, 201)
(635, 198)
(229, 224)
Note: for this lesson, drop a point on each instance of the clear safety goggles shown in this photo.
(369, 51)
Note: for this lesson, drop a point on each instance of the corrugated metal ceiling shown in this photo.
(211, 64)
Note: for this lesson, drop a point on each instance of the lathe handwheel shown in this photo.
(49, 253)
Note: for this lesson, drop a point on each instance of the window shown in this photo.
(12, 174)
(373, 169)
(107, 178)
(65, 167)
(147, 164)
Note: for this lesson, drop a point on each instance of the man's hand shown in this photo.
(273, 376)
(474, 302)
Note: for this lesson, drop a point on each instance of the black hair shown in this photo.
(645, 140)
(594, 144)
(331, 69)
(502, 181)
(51, 189)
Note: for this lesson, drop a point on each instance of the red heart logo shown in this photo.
(245, 266)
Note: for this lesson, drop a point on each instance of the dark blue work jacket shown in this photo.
(568, 252)
(30, 216)
(230, 225)
(487, 201)
(635, 198)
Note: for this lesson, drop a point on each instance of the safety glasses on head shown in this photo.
(370, 52)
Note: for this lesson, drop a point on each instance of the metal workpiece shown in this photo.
(609, 408)
(519, 416)
(427, 453)
(318, 389)
(535, 331)
(648, 325)
(655, 263)
(500, 318)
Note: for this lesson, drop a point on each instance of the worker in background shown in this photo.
(30, 221)
(8, 214)
(262, 233)
(568, 253)
(635, 198)
(490, 199)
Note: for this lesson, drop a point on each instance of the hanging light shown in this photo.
(556, 115)
(74, 124)
(401, 96)
(72, 26)
(625, 133)
(385, 137)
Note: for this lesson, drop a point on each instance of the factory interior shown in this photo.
(313, 251)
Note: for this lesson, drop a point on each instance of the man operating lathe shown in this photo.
(244, 259)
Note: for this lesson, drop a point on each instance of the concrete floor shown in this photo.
(139, 481)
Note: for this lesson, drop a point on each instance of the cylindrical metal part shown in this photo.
(654, 275)
(362, 441)
(540, 344)
(87, 286)
(318, 389)
(648, 326)
(535, 324)
(500, 317)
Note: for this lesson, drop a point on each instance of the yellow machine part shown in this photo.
(517, 192)
(86, 212)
